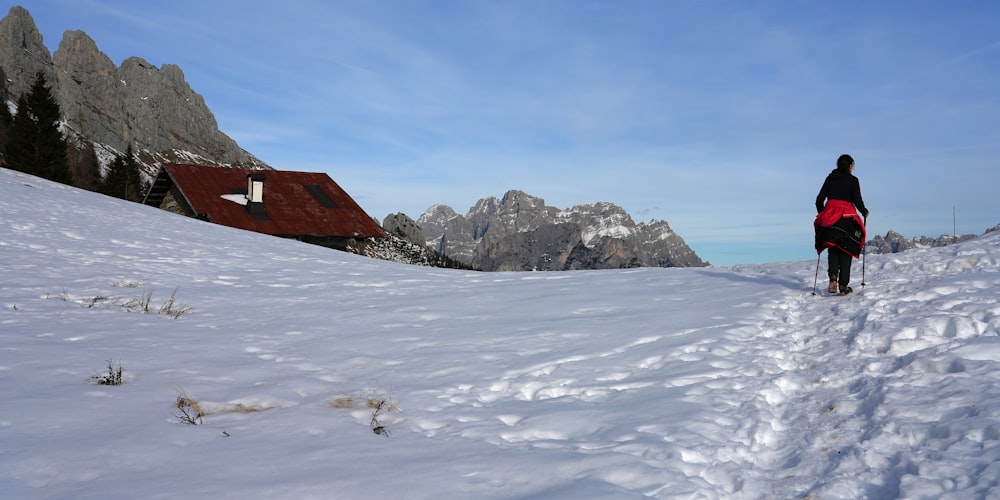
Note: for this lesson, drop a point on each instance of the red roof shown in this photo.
(294, 203)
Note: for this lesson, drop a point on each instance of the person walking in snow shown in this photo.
(838, 226)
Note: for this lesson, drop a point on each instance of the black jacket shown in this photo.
(841, 186)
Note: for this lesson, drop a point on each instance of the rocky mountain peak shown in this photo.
(110, 107)
(440, 212)
(513, 200)
(79, 51)
(519, 211)
(21, 42)
(598, 220)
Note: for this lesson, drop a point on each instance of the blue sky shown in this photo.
(721, 117)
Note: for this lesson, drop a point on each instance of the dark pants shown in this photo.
(840, 267)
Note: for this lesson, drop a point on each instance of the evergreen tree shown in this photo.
(115, 182)
(20, 141)
(124, 179)
(138, 184)
(6, 120)
(5, 117)
(85, 167)
(36, 145)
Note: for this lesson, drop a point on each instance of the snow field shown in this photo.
(663, 383)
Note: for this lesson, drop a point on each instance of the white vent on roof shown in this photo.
(255, 196)
(255, 188)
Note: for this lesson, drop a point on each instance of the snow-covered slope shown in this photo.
(651, 382)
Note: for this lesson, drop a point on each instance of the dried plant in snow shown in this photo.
(113, 377)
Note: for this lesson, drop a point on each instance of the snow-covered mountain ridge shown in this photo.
(600, 219)
(634, 383)
(520, 232)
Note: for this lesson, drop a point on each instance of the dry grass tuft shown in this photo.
(242, 408)
(113, 377)
(141, 304)
(378, 405)
(382, 404)
(192, 411)
(344, 402)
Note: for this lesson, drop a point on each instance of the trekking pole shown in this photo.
(864, 253)
(817, 274)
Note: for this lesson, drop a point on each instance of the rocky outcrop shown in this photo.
(22, 53)
(520, 232)
(449, 233)
(402, 226)
(894, 242)
(545, 248)
(110, 107)
(941, 241)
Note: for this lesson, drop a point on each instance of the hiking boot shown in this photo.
(832, 288)
(846, 290)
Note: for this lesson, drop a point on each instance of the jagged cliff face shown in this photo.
(519, 232)
(152, 109)
(22, 53)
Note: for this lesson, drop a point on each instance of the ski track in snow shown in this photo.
(593, 384)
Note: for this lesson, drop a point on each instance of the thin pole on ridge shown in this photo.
(817, 272)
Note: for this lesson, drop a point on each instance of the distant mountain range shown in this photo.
(520, 232)
(894, 242)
